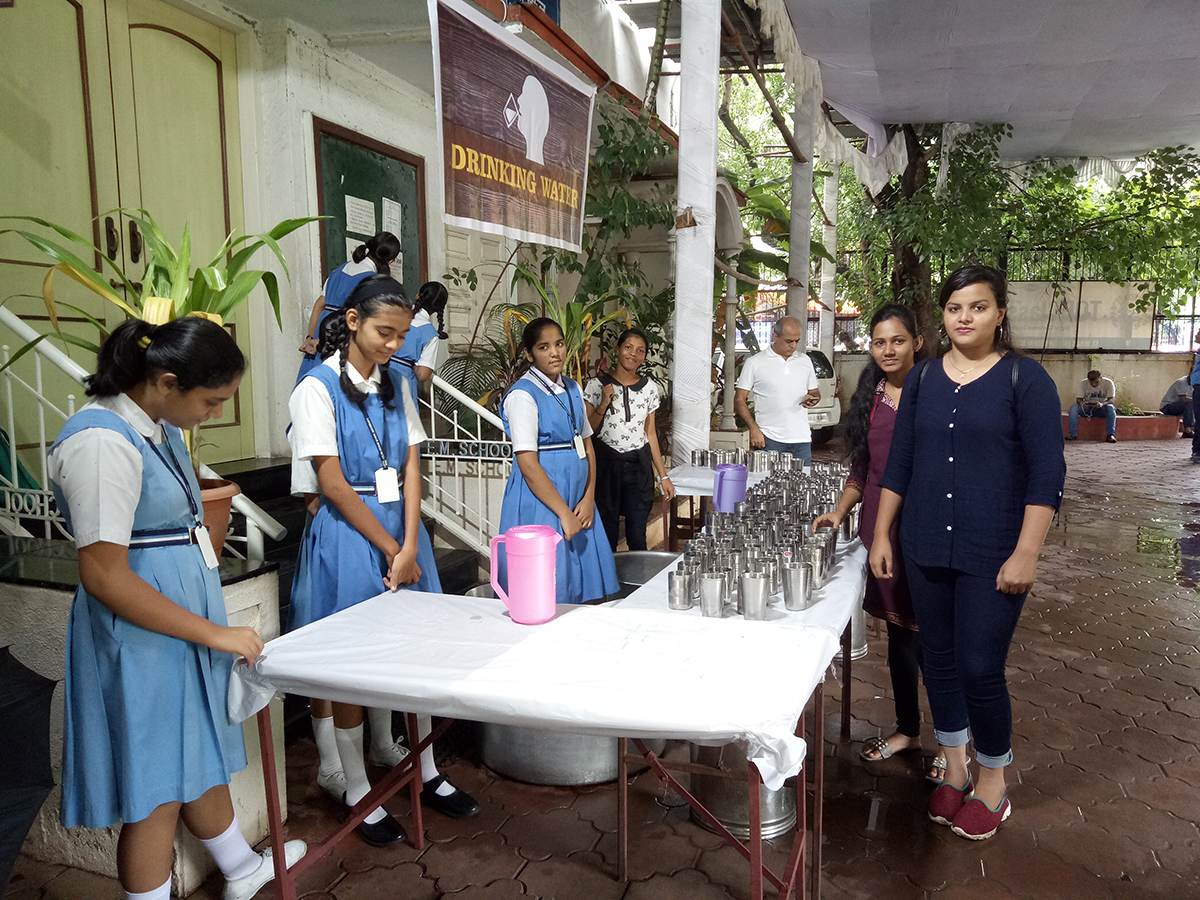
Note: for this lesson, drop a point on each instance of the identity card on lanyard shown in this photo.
(569, 409)
(387, 479)
(199, 531)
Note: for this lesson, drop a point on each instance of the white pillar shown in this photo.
(807, 108)
(700, 39)
(829, 269)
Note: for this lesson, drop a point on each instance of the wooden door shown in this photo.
(56, 143)
(178, 154)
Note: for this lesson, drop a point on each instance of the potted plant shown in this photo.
(169, 289)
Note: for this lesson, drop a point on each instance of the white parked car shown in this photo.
(828, 412)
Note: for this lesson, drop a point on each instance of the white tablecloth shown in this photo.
(834, 603)
(620, 671)
(697, 481)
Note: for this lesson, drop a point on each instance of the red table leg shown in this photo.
(846, 663)
(622, 811)
(266, 746)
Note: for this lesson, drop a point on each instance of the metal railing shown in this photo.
(36, 505)
(465, 465)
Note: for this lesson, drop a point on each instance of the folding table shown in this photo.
(622, 671)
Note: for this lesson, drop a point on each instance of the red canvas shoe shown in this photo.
(947, 801)
(977, 822)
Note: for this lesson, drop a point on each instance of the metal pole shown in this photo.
(829, 269)
(803, 118)
(728, 418)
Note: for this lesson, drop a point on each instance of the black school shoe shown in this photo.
(384, 833)
(458, 805)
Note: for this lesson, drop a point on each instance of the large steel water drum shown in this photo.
(563, 758)
(728, 799)
(858, 634)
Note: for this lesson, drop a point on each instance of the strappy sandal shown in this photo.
(880, 746)
(938, 764)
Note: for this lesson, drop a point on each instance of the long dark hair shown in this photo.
(858, 420)
(965, 276)
(198, 352)
(369, 297)
(432, 298)
(383, 248)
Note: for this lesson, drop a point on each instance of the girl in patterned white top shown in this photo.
(620, 408)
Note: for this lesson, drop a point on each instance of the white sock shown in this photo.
(327, 747)
(233, 856)
(350, 749)
(429, 769)
(159, 893)
(381, 728)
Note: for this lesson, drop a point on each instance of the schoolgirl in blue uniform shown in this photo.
(354, 418)
(554, 480)
(147, 738)
(372, 258)
(417, 358)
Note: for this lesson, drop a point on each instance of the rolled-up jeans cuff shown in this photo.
(994, 762)
(953, 738)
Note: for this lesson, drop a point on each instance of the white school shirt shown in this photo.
(100, 473)
(777, 386)
(429, 352)
(314, 427)
(521, 411)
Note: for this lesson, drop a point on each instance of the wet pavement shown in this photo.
(1105, 680)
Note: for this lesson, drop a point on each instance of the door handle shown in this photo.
(111, 236)
(120, 286)
(135, 242)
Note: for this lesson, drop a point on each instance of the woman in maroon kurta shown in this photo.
(895, 343)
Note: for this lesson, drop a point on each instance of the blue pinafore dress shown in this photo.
(405, 359)
(338, 567)
(338, 286)
(146, 722)
(584, 567)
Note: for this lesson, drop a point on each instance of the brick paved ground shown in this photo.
(1105, 678)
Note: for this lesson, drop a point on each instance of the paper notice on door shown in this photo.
(351, 243)
(360, 216)
(393, 217)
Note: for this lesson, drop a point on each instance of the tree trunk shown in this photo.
(911, 276)
(656, 58)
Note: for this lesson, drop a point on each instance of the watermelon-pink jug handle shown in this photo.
(496, 541)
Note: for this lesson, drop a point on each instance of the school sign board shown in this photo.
(514, 127)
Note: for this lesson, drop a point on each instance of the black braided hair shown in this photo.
(199, 353)
(369, 296)
(858, 419)
(382, 248)
(432, 298)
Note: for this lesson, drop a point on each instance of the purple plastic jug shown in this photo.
(530, 551)
(729, 487)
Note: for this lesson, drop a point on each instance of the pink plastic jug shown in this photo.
(729, 487)
(530, 551)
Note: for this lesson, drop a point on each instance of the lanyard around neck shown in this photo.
(568, 407)
(374, 436)
(176, 471)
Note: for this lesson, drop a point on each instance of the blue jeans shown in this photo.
(966, 628)
(800, 451)
(1108, 411)
(1185, 411)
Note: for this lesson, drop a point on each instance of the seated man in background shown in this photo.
(1096, 396)
(1177, 401)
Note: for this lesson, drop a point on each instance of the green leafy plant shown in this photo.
(168, 288)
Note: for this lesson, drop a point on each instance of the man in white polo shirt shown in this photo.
(784, 384)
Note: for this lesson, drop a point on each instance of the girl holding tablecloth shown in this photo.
(554, 479)
(147, 739)
(353, 417)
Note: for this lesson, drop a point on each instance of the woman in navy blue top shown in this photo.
(977, 462)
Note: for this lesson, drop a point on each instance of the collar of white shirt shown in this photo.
(123, 406)
(421, 317)
(771, 350)
(543, 381)
(335, 362)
